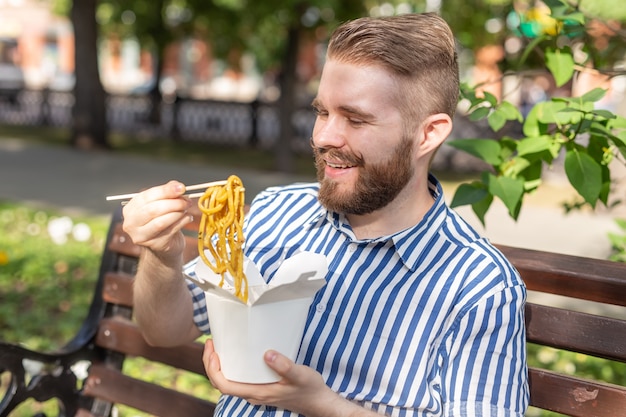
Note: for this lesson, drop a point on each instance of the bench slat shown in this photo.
(122, 244)
(118, 289)
(572, 276)
(123, 336)
(112, 385)
(579, 332)
(575, 397)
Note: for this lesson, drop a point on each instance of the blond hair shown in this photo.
(417, 49)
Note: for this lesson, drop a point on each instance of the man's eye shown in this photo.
(320, 112)
(356, 122)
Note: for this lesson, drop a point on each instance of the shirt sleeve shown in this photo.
(200, 315)
(483, 359)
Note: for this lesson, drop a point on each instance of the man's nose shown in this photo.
(328, 134)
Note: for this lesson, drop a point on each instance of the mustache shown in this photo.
(332, 153)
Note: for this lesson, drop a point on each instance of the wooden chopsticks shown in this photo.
(203, 186)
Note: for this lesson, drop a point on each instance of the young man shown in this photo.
(420, 316)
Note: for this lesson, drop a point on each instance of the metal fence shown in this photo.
(209, 121)
(212, 122)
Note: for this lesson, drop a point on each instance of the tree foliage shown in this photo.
(566, 37)
(589, 137)
(261, 27)
(273, 31)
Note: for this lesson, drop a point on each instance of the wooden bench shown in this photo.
(109, 336)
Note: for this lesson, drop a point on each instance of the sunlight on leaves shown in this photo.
(585, 175)
(560, 62)
(486, 149)
(509, 190)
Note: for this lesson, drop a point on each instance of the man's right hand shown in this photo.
(154, 219)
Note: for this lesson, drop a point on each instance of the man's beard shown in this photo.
(376, 186)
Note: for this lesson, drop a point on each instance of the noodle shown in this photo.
(221, 232)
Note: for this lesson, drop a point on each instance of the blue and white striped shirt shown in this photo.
(426, 322)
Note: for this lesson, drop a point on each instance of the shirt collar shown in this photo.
(410, 244)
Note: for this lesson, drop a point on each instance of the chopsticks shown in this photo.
(203, 186)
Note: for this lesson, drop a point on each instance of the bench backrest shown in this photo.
(604, 337)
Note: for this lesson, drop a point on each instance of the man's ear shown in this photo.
(433, 131)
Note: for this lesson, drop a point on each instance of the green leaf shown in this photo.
(503, 113)
(606, 187)
(508, 147)
(604, 114)
(560, 62)
(532, 126)
(578, 18)
(532, 176)
(594, 95)
(490, 98)
(476, 194)
(618, 122)
(486, 149)
(496, 120)
(553, 112)
(481, 207)
(468, 194)
(479, 114)
(568, 116)
(533, 145)
(510, 112)
(549, 112)
(600, 130)
(516, 165)
(557, 7)
(509, 190)
(585, 175)
(620, 142)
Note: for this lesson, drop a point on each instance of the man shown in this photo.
(420, 316)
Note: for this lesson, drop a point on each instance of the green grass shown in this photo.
(44, 282)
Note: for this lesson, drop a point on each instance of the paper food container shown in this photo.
(273, 318)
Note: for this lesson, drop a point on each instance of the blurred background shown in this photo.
(243, 73)
(200, 89)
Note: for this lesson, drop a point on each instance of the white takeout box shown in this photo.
(274, 317)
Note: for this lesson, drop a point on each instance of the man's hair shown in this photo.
(417, 49)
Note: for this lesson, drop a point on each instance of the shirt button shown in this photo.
(320, 308)
(351, 247)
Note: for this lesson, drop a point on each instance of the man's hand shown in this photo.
(153, 219)
(301, 389)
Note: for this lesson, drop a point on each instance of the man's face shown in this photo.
(363, 156)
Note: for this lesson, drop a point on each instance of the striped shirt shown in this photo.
(426, 322)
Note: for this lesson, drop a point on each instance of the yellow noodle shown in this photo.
(221, 232)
